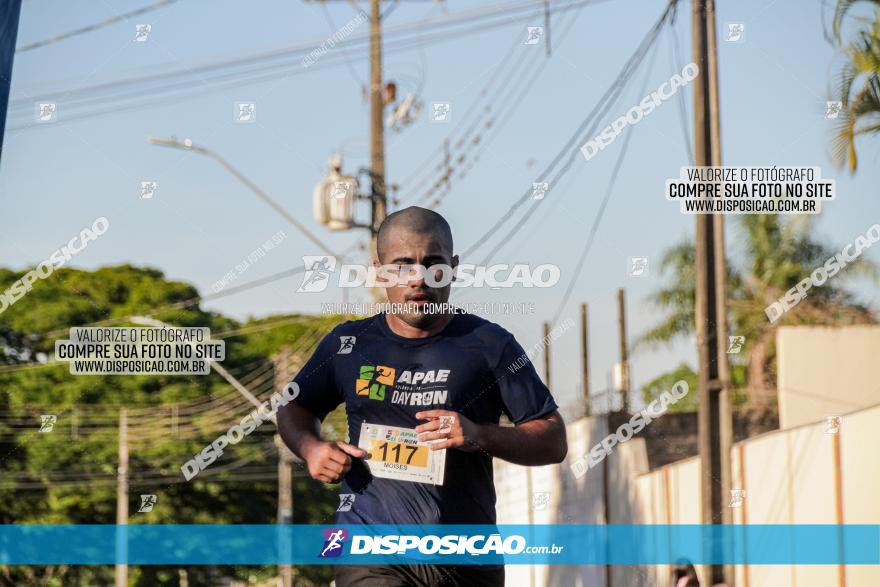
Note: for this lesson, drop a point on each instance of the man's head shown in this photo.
(411, 237)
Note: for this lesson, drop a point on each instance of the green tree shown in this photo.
(858, 83)
(654, 388)
(776, 255)
(68, 476)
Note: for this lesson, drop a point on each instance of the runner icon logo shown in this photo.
(333, 541)
(346, 345)
(374, 380)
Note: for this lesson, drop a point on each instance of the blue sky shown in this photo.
(59, 177)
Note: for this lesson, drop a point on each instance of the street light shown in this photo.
(188, 145)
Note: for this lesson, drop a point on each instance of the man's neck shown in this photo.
(401, 328)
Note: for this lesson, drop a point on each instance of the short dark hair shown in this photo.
(413, 219)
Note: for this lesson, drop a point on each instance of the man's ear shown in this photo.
(454, 261)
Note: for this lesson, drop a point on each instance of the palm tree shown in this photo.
(860, 112)
(776, 255)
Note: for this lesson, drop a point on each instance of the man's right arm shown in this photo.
(301, 431)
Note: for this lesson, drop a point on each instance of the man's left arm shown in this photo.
(540, 441)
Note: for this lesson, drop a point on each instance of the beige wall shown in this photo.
(790, 477)
(573, 501)
(826, 371)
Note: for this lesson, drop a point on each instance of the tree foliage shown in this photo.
(776, 255)
(858, 81)
(69, 475)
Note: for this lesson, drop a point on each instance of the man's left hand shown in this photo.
(450, 429)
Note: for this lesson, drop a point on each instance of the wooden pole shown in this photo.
(378, 200)
(585, 360)
(606, 503)
(725, 410)
(283, 376)
(121, 575)
(547, 354)
(624, 355)
(547, 27)
(715, 428)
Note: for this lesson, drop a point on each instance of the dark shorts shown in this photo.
(419, 576)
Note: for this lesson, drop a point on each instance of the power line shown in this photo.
(94, 27)
(492, 129)
(682, 106)
(343, 50)
(604, 104)
(194, 300)
(609, 190)
(24, 366)
(498, 104)
(210, 74)
(217, 413)
(422, 167)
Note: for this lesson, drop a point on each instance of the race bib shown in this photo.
(396, 453)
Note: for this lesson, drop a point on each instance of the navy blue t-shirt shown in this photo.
(464, 368)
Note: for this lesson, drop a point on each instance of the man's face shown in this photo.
(404, 252)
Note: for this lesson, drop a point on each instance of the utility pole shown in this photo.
(624, 357)
(377, 129)
(447, 160)
(285, 468)
(547, 354)
(585, 360)
(547, 27)
(715, 424)
(378, 199)
(122, 503)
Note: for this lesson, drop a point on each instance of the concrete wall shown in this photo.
(825, 371)
(673, 437)
(790, 477)
(573, 501)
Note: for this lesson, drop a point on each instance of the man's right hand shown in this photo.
(330, 461)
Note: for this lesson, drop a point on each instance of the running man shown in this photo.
(409, 378)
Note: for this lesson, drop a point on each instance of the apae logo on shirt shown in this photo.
(421, 388)
(374, 380)
(410, 388)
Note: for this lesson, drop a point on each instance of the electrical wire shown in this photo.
(609, 190)
(143, 88)
(682, 106)
(94, 27)
(498, 104)
(585, 128)
(492, 128)
(343, 50)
